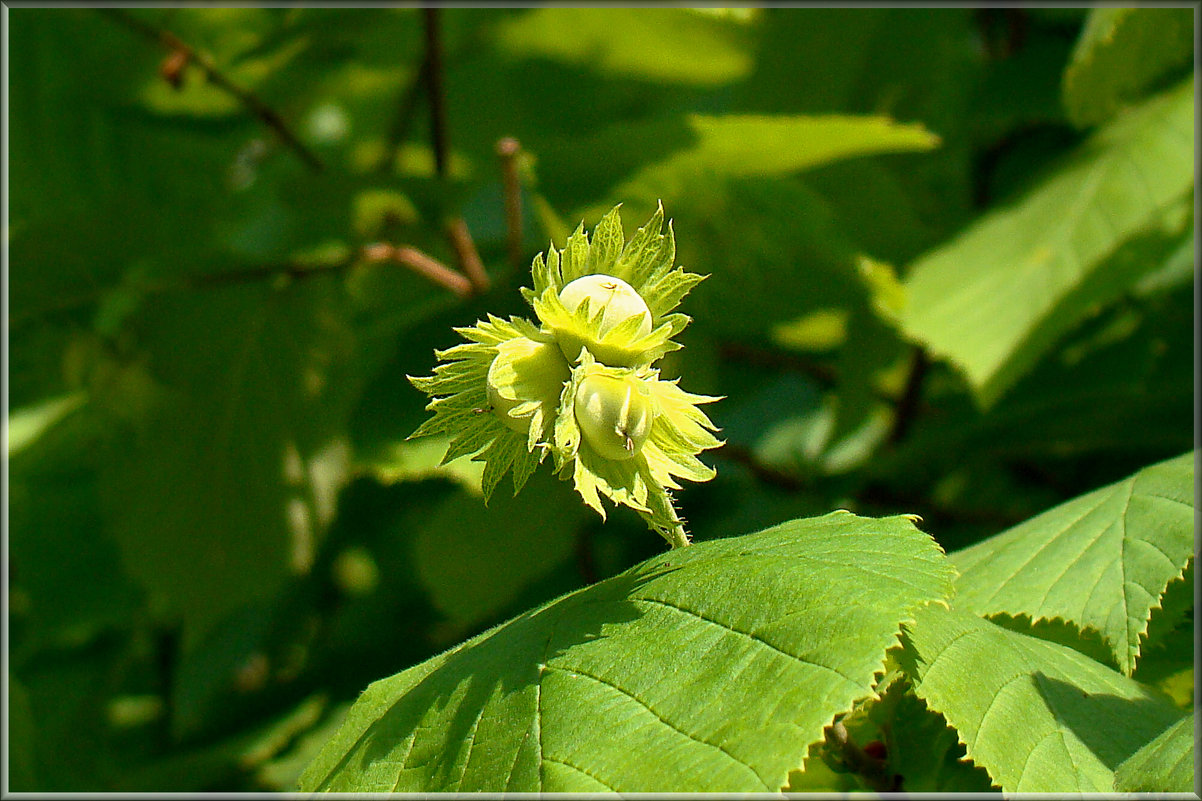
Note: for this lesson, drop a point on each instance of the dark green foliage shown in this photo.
(950, 259)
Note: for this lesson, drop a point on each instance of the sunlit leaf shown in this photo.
(1121, 54)
(1040, 717)
(659, 44)
(763, 627)
(1101, 561)
(1165, 765)
(765, 145)
(995, 298)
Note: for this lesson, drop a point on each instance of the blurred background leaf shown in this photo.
(218, 532)
(1122, 53)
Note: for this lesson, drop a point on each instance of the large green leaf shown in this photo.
(1165, 765)
(996, 297)
(226, 489)
(1121, 53)
(1101, 561)
(67, 584)
(712, 669)
(928, 754)
(767, 145)
(1040, 717)
(1120, 386)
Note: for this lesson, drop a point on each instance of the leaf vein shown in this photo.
(749, 636)
(583, 772)
(661, 718)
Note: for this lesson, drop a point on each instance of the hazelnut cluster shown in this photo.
(582, 385)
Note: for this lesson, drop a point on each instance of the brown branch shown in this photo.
(469, 258)
(457, 232)
(768, 474)
(405, 255)
(766, 357)
(422, 264)
(907, 404)
(508, 150)
(433, 74)
(375, 253)
(406, 112)
(180, 50)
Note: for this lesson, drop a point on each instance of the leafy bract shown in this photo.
(679, 432)
(462, 408)
(1040, 717)
(1165, 765)
(710, 668)
(646, 262)
(1101, 561)
(995, 298)
(1121, 53)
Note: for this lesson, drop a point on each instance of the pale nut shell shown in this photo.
(614, 416)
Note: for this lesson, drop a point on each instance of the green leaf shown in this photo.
(1121, 54)
(1120, 387)
(1040, 717)
(894, 744)
(719, 663)
(416, 460)
(22, 747)
(1167, 661)
(654, 44)
(27, 424)
(463, 550)
(1101, 561)
(1165, 765)
(767, 145)
(67, 579)
(994, 299)
(928, 754)
(739, 228)
(227, 487)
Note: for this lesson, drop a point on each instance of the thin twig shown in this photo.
(376, 253)
(435, 270)
(508, 150)
(457, 232)
(766, 357)
(406, 112)
(185, 52)
(469, 258)
(438, 113)
(907, 405)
